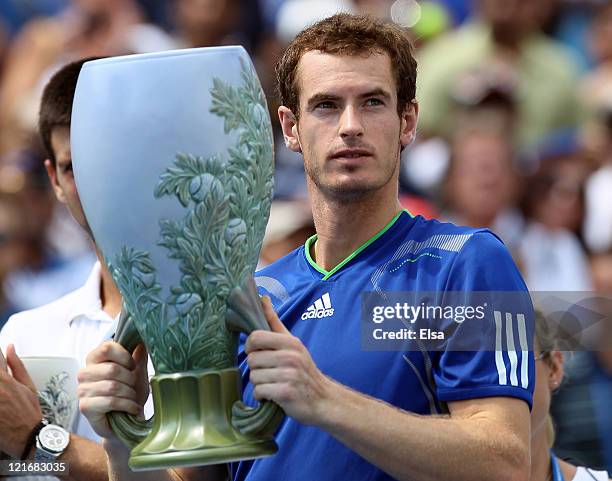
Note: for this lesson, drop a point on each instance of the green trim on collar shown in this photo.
(309, 242)
(327, 274)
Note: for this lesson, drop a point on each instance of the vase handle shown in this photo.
(245, 314)
(130, 429)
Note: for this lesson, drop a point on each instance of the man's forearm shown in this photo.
(409, 446)
(86, 460)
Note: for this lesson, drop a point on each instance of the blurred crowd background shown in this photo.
(515, 134)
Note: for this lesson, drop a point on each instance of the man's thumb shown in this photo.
(140, 356)
(274, 322)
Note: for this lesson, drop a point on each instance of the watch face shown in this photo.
(54, 438)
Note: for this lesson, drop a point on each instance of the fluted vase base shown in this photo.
(193, 426)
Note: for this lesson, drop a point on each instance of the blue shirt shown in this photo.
(323, 309)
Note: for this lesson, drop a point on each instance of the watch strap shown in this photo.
(42, 455)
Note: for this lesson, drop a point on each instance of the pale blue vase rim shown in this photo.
(179, 52)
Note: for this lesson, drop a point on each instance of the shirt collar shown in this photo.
(87, 300)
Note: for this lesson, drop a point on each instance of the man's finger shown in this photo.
(113, 352)
(271, 376)
(99, 406)
(265, 359)
(20, 373)
(106, 389)
(267, 340)
(107, 371)
(273, 321)
(270, 392)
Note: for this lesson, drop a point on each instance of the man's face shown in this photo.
(348, 130)
(61, 175)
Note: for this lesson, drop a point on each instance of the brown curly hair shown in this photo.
(345, 34)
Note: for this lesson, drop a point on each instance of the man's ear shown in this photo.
(409, 123)
(290, 129)
(52, 173)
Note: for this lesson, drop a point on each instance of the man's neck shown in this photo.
(342, 227)
(109, 294)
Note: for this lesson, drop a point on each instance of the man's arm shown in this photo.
(482, 439)
(113, 380)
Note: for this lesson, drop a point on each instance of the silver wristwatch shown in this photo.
(51, 442)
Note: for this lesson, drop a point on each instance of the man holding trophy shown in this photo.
(347, 86)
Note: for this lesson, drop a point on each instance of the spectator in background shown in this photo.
(581, 407)
(481, 184)
(504, 36)
(551, 254)
(545, 465)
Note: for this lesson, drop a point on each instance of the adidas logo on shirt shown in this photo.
(321, 308)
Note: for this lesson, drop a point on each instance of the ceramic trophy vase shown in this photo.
(173, 160)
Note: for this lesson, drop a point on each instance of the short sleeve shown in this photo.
(492, 355)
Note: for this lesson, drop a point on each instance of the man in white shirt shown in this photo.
(70, 326)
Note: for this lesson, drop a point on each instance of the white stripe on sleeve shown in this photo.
(499, 355)
(511, 350)
(522, 331)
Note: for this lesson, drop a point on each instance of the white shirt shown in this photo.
(71, 326)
